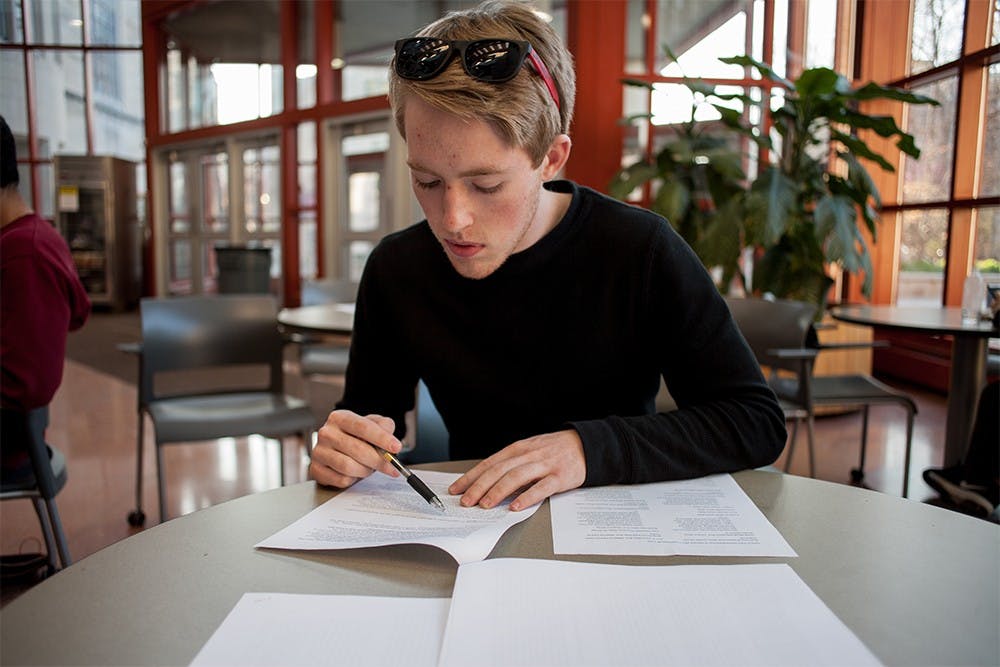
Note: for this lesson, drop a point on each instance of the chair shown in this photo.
(49, 477)
(196, 380)
(319, 356)
(782, 335)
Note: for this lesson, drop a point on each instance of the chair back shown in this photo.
(771, 325)
(200, 332)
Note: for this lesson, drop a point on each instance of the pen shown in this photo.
(411, 479)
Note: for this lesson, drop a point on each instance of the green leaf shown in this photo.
(765, 70)
(638, 83)
(672, 200)
(820, 81)
(873, 91)
(773, 197)
(860, 149)
(836, 230)
(631, 177)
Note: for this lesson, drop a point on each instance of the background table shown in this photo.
(327, 318)
(916, 583)
(968, 358)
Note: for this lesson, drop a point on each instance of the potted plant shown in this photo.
(800, 213)
(700, 188)
(802, 209)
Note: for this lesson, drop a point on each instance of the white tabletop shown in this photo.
(916, 583)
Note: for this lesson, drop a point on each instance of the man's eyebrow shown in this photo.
(478, 171)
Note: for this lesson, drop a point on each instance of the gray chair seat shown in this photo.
(231, 415)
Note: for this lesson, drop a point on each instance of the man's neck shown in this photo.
(12, 206)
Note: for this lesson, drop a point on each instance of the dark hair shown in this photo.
(8, 156)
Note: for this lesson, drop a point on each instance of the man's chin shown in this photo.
(474, 269)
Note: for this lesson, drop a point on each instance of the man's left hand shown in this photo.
(541, 465)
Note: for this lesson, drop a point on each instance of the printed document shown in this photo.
(711, 516)
(381, 510)
(511, 612)
(293, 629)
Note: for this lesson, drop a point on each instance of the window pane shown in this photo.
(307, 244)
(46, 191)
(636, 26)
(922, 257)
(114, 23)
(118, 104)
(306, 142)
(60, 102)
(989, 181)
(11, 22)
(988, 242)
(13, 107)
(305, 70)
(699, 33)
(307, 185)
(233, 72)
(937, 33)
(820, 39)
(996, 22)
(54, 22)
(215, 192)
(358, 252)
(363, 201)
(929, 177)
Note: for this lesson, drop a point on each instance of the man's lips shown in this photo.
(463, 248)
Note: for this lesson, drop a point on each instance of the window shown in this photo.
(947, 209)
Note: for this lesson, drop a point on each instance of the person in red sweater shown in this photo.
(41, 300)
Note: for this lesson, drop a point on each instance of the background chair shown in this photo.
(782, 335)
(211, 367)
(323, 356)
(49, 467)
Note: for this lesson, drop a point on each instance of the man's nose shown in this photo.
(457, 212)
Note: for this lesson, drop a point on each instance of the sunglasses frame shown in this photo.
(461, 47)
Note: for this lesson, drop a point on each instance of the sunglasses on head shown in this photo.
(489, 60)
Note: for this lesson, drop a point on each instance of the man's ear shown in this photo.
(556, 156)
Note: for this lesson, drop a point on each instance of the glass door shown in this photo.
(223, 194)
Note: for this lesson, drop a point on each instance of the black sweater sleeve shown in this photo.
(727, 418)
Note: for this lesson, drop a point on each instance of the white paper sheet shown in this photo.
(287, 630)
(711, 516)
(381, 510)
(511, 612)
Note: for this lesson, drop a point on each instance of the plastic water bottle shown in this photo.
(973, 297)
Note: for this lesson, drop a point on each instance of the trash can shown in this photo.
(243, 268)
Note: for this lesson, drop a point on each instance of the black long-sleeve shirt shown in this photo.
(573, 332)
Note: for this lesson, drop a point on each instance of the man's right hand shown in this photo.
(344, 453)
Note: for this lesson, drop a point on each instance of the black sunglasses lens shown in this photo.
(493, 60)
(421, 58)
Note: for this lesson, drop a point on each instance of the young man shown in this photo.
(540, 314)
(42, 300)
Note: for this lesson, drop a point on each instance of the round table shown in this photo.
(968, 358)
(327, 318)
(916, 583)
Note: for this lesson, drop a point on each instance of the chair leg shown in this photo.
(161, 488)
(137, 517)
(281, 461)
(906, 456)
(791, 443)
(55, 523)
(858, 474)
(43, 521)
(810, 435)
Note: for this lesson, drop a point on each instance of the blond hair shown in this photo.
(521, 110)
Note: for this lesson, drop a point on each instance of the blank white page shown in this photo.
(510, 612)
(288, 630)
